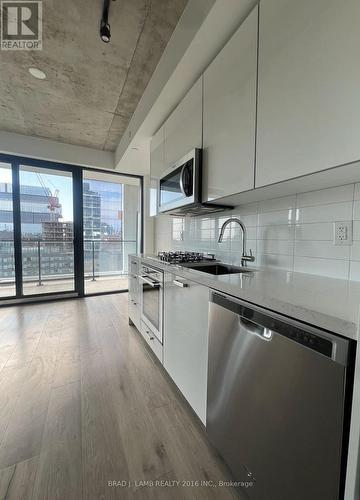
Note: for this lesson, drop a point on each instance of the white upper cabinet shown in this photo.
(157, 166)
(309, 81)
(183, 128)
(230, 115)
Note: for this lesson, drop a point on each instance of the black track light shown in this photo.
(105, 34)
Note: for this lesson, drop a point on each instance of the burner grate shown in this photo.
(178, 257)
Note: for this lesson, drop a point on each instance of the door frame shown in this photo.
(77, 175)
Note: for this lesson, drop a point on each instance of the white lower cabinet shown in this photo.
(186, 339)
(134, 292)
(152, 341)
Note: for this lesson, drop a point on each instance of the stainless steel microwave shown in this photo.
(179, 190)
(180, 185)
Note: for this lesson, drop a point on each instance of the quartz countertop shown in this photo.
(327, 303)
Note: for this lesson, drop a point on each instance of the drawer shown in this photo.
(134, 287)
(134, 312)
(152, 341)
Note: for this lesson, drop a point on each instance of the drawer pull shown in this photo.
(181, 284)
(150, 336)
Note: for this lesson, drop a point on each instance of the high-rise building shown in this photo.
(40, 223)
(59, 231)
(91, 213)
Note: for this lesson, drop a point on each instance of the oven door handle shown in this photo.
(153, 284)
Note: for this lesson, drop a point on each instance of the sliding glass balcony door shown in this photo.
(65, 229)
(111, 212)
(7, 259)
(47, 235)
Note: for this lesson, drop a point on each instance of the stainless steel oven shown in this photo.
(152, 299)
(180, 185)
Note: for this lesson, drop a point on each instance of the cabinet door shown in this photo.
(134, 300)
(229, 115)
(134, 291)
(157, 166)
(186, 339)
(309, 80)
(183, 128)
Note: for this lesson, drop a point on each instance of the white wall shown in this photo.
(45, 149)
(293, 233)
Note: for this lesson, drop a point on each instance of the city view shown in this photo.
(47, 232)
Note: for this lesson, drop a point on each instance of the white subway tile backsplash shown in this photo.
(248, 209)
(355, 251)
(356, 230)
(274, 260)
(248, 220)
(321, 249)
(354, 271)
(325, 213)
(280, 232)
(357, 210)
(278, 217)
(326, 196)
(291, 232)
(285, 203)
(322, 267)
(280, 247)
(316, 231)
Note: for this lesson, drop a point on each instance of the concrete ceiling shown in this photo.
(92, 88)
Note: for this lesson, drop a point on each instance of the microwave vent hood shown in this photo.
(180, 188)
(197, 209)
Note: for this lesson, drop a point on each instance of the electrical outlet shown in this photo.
(343, 233)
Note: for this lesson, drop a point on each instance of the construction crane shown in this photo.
(53, 200)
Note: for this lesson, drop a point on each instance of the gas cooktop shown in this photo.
(181, 257)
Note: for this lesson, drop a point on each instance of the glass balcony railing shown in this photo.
(51, 263)
(107, 257)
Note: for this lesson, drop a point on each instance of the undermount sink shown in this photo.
(218, 269)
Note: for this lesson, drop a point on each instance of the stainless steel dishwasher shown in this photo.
(276, 402)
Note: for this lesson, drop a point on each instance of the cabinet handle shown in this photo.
(181, 284)
(152, 283)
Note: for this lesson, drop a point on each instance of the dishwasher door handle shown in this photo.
(255, 329)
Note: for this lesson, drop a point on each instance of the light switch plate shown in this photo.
(343, 233)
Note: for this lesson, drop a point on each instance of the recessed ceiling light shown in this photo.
(37, 73)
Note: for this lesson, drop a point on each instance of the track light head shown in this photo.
(105, 34)
(104, 23)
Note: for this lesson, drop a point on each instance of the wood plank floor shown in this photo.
(83, 404)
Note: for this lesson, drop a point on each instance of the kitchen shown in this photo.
(231, 253)
(226, 363)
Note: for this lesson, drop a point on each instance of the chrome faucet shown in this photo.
(244, 257)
